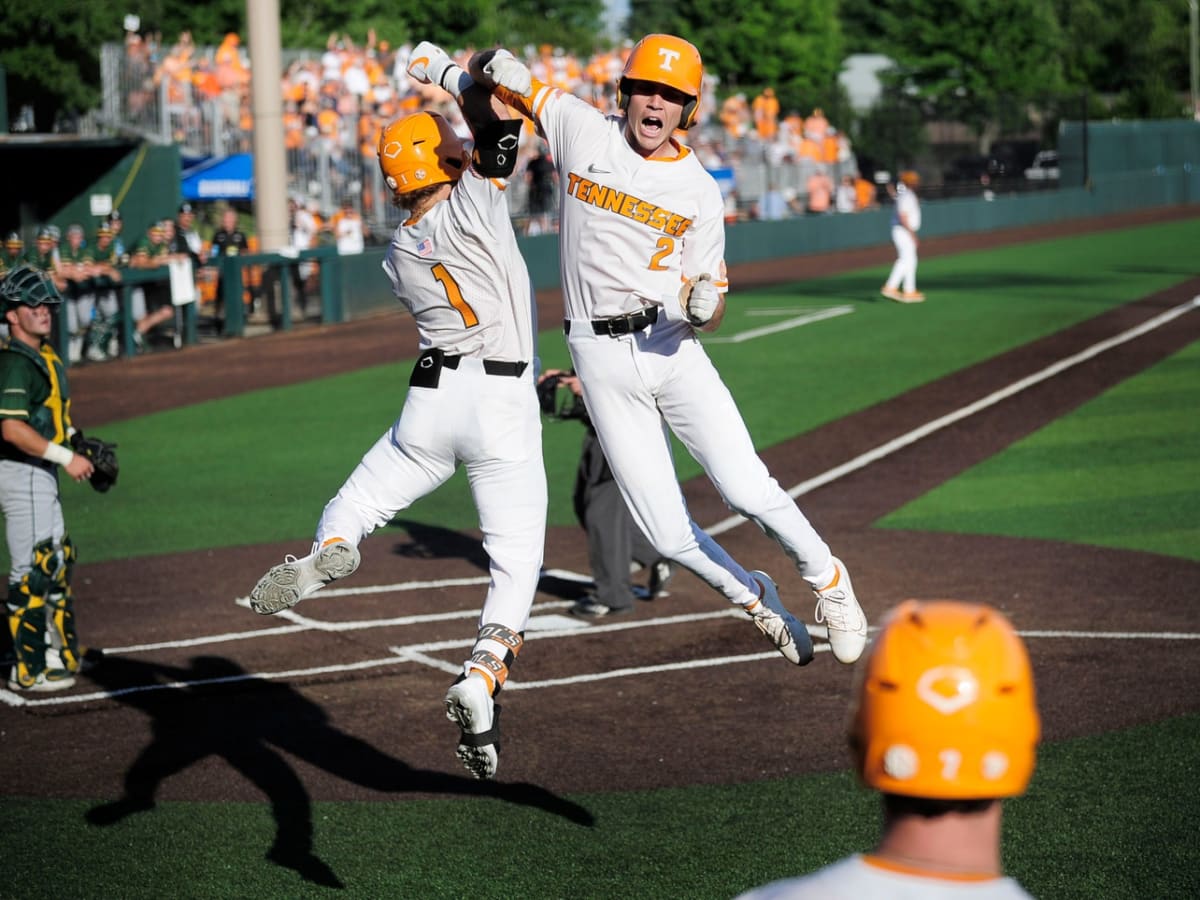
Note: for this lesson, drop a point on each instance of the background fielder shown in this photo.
(641, 222)
(455, 265)
(901, 284)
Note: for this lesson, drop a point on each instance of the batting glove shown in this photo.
(702, 300)
(429, 64)
(506, 71)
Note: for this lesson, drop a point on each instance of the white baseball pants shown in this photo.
(633, 385)
(904, 270)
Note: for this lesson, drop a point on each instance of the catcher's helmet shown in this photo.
(27, 286)
(664, 59)
(418, 151)
(946, 706)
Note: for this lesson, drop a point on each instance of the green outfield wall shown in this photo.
(365, 290)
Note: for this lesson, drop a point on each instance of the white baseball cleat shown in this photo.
(786, 632)
(838, 608)
(469, 704)
(291, 581)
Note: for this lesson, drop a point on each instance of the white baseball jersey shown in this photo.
(866, 878)
(907, 206)
(348, 233)
(631, 230)
(458, 270)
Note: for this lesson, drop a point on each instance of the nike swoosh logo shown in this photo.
(596, 170)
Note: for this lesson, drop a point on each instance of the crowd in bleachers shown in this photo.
(335, 102)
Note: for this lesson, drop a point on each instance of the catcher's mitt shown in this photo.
(103, 456)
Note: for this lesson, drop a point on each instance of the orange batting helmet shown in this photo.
(946, 708)
(418, 151)
(665, 59)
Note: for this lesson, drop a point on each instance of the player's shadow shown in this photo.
(434, 542)
(247, 727)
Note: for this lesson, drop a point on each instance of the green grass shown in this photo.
(260, 467)
(1133, 839)
(1109, 816)
(1122, 471)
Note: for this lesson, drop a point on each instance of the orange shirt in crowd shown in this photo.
(766, 114)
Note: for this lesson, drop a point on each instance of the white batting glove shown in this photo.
(702, 300)
(506, 71)
(430, 64)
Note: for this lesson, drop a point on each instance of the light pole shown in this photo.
(1192, 16)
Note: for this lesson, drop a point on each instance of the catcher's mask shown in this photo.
(27, 286)
(946, 708)
(418, 151)
(664, 59)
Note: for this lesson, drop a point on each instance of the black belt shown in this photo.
(491, 366)
(616, 326)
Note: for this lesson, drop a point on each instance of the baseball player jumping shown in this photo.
(642, 246)
(455, 266)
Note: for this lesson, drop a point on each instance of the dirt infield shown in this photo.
(354, 711)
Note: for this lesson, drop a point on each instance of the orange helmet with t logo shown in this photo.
(665, 59)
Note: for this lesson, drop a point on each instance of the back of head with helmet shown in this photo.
(946, 708)
(419, 151)
(27, 286)
(665, 59)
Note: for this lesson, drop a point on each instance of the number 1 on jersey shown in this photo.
(454, 295)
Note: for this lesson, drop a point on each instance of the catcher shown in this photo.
(37, 440)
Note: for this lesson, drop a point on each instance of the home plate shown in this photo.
(554, 623)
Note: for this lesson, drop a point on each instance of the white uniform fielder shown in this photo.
(632, 231)
(459, 272)
(860, 878)
(904, 270)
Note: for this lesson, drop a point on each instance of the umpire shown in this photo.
(35, 424)
(614, 539)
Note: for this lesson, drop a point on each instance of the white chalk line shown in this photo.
(14, 699)
(899, 443)
(816, 315)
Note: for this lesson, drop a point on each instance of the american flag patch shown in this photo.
(424, 246)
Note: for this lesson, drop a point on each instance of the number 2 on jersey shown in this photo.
(666, 246)
(454, 295)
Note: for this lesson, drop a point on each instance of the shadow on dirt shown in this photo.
(194, 714)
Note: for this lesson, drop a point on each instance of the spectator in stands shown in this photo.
(864, 194)
(820, 191)
(540, 178)
(349, 232)
(766, 114)
(846, 200)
